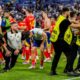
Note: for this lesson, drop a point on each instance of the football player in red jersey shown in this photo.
(29, 20)
(30, 24)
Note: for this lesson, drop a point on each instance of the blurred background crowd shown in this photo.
(52, 7)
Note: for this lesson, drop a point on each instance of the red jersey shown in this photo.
(12, 19)
(52, 26)
(30, 22)
(21, 24)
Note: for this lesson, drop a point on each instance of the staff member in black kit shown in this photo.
(61, 38)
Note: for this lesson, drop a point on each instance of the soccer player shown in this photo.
(30, 24)
(29, 19)
(38, 39)
(47, 26)
(22, 27)
(27, 50)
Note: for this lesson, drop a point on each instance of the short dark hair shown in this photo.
(29, 10)
(42, 9)
(73, 13)
(78, 14)
(26, 35)
(13, 23)
(65, 9)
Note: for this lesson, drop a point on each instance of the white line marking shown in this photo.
(73, 78)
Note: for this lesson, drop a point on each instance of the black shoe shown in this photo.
(73, 73)
(65, 71)
(4, 70)
(53, 73)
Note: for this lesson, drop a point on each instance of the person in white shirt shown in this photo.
(13, 40)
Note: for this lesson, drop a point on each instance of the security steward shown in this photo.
(76, 39)
(61, 38)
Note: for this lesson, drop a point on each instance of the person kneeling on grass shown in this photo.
(13, 46)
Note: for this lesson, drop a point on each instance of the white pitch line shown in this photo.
(73, 78)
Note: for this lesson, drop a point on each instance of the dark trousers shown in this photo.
(78, 65)
(59, 47)
(10, 61)
(72, 56)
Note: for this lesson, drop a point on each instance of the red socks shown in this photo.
(1, 56)
(33, 62)
(46, 54)
(23, 51)
(28, 53)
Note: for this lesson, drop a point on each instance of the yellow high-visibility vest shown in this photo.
(78, 40)
(56, 31)
(68, 36)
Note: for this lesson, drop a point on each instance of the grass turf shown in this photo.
(21, 72)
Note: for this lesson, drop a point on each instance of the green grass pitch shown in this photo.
(21, 72)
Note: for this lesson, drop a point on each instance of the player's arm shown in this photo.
(44, 37)
(73, 25)
(73, 21)
(22, 28)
